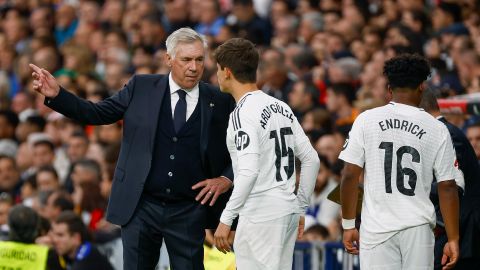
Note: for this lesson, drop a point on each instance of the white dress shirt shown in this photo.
(191, 97)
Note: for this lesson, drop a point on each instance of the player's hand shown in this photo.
(221, 238)
(351, 241)
(44, 83)
(211, 189)
(451, 252)
(301, 227)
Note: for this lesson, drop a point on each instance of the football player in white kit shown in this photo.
(263, 138)
(399, 147)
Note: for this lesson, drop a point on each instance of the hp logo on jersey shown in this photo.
(242, 140)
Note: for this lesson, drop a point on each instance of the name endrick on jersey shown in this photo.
(274, 108)
(402, 125)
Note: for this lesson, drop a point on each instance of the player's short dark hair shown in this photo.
(241, 56)
(74, 224)
(406, 71)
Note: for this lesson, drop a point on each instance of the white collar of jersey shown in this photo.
(406, 105)
(249, 93)
(174, 87)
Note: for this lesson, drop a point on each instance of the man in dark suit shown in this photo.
(173, 138)
(469, 200)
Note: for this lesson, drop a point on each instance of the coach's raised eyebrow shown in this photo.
(402, 125)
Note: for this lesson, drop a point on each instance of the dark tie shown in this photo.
(180, 113)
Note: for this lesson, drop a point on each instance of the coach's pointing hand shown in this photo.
(44, 83)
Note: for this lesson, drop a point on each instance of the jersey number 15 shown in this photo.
(284, 151)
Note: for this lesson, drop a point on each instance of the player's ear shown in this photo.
(228, 73)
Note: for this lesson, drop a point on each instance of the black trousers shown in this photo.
(180, 224)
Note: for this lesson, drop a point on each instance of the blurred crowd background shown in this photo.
(323, 57)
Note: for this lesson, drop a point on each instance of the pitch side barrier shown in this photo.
(323, 256)
(468, 104)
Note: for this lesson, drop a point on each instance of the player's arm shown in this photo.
(353, 154)
(245, 178)
(349, 190)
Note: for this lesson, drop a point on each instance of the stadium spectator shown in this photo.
(8, 124)
(6, 202)
(57, 202)
(473, 135)
(71, 240)
(47, 178)
(9, 177)
(303, 98)
(24, 228)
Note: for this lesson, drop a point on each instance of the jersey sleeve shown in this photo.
(309, 163)
(246, 131)
(247, 144)
(445, 160)
(354, 147)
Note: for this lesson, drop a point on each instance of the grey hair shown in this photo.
(315, 18)
(183, 35)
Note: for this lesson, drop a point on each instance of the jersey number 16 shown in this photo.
(401, 172)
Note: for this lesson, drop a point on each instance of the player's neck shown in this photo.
(240, 89)
(406, 97)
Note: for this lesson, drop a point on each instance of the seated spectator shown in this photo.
(315, 233)
(9, 177)
(340, 98)
(210, 19)
(473, 135)
(24, 229)
(57, 202)
(72, 241)
(321, 210)
(28, 191)
(303, 98)
(47, 178)
(6, 202)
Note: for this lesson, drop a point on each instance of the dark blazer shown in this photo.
(138, 104)
(470, 199)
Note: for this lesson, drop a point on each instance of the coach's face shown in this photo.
(188, 63)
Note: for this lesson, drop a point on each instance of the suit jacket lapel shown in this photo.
(206, 108)
(155, 101)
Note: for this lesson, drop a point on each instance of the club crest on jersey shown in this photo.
(242, 140)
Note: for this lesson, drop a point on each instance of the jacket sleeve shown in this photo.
(105, 112)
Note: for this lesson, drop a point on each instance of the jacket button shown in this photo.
(174, 139)
(170, 174)
(172, 157)
(167, 190)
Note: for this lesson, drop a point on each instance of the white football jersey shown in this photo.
(263, 138)
(400, 147)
